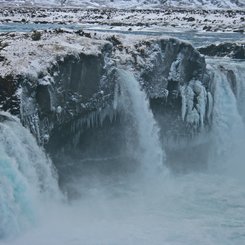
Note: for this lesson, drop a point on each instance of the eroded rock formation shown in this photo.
(48, 90)
(231, 50)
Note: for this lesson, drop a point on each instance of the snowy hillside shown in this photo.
(208, 3)
(138, 3)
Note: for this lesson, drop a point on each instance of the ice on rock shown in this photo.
(200, 91)
(183, 102)
(175, 70)
(45, 81)
(94, 119)
(59, 109)
(192, 116)
(194, 103)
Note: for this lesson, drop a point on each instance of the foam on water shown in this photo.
(141, 123)
(193, 209)
(228, 129)
(198, 208)
(26, 175)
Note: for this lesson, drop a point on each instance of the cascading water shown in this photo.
(228, 128)
(237, 77)
(134, 103)
(239, 73)
(26, 176)
(197, 208)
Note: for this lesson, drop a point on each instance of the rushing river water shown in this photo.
(195, 37)
(151, 205)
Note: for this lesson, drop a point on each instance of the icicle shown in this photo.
(175, 71)
(193, 113)
(116, 92)
(200, 91)
(184, 103)
(94, 119)
(210, 104)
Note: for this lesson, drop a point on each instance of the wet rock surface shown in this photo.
(232, 50)
(51, 91)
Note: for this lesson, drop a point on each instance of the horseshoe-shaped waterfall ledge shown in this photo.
(65, 90)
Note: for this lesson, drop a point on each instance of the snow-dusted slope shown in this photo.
(138, 3)
(207, 3)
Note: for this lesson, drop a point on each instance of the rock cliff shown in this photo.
(65, 79)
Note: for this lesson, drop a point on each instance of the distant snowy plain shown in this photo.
(137, 3)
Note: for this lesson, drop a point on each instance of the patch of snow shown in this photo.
(25, 56)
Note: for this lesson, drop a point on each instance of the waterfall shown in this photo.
(228, 127)
(26, 176)
(143, 132)
(238, 76)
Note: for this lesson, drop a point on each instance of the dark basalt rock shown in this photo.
(9, 100)
(36, 35)
(72, 89)
(2, 58)
(167, 61)
(232, 50)
(77, 86)
(70, 109)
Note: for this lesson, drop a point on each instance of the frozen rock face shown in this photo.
(8, 94)
(70, 90)
(76, 85)
(53, 80)
(175, 77)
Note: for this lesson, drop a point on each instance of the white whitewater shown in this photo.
(204, 208)
(143, 129)
(228, 128)
(26, 177)
(238, 68)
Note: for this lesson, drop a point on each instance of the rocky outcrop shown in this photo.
(232, 50)
(51, 81)
(9, 94)
(174, 75)
(71, 90)
(65, 80)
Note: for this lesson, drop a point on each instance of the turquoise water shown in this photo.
(26, 176)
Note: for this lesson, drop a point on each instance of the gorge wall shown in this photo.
(64, 84)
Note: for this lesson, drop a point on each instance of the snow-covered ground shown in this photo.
(22, 55)
(138, 3)
(174, 19)
(207, 3)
